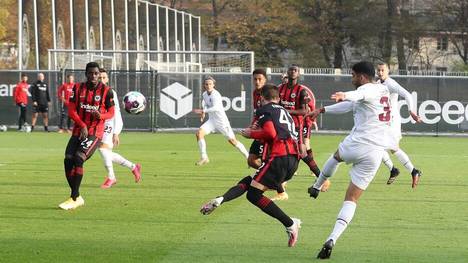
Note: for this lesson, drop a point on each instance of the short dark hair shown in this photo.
(260, 71)
(102, 70)
(270, 91)
(364, 67)
(69, 75)
(92, 65)
(23, 75)
(209, 78)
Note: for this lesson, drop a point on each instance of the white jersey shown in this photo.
(396, 90)
(114, 125)
(213, 105)
(371, 110)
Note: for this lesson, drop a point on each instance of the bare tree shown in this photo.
(452, 18)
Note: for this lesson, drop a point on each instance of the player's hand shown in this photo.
(96, 114)
(314, 114)
(83, 133)
(254, 126)
(202, 117)
(246, 132)
(338, 96)
(415, 117)
(116, 139)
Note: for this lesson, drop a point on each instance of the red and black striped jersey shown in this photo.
(293, 99)
(277, 131)
(85, 100)
(257, 102)
(311, 103)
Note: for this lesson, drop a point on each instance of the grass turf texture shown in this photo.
(158, 219)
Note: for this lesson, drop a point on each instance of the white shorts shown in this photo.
(225, 129)
(107, 138)
(366, 161)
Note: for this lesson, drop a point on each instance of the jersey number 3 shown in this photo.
(385, 116)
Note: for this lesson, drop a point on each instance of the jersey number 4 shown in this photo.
(385, 116)
(286, 119)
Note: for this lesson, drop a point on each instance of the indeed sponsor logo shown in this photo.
(431, 112)
(236, 103)
(88, 107)
(288, 103)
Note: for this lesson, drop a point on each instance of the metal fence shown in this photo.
(442, 102)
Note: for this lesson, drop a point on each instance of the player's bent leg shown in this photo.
(233, 193)
(202, 148)
(106, 155)
(256, 197)
(254, 161)
(281, 194)
(329, 169)
(239, 146)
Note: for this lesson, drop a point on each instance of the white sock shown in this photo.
(242, 149)
(344, 218)
(117, 158)
(219, 200)
(328, 170)
(404, 159)
(387, 161)
(106, 155)
(202, 148)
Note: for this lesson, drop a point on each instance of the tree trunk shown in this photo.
(338, 45)
(399, 36)
(387, 37)
(215, 24)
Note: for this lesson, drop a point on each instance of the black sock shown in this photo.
(256, 197)
(238, 190)
(76, 182)
(68, 164)
(46, 128)
(309, 160)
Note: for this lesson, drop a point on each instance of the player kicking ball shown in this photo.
(217, 121)
(276, 130)
(112, 129)
(364, 147)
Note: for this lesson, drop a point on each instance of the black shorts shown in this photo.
(274, 171)
(88, 146)
(306, 131)
(256, 148)
(41, 108)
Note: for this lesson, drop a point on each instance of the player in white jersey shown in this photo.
(363, 147)
(112, 129)
(395, 91)
(218, 121)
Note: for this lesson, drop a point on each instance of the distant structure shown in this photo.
(76, 26)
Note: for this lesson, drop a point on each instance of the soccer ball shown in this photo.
(3, 128)
(134, 102)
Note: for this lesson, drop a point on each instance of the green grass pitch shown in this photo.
(158, 220)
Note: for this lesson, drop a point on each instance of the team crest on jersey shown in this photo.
(293, 95)
(97, 98)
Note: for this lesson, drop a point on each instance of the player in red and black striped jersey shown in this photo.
(279, 163)
(255, 152)
(90, 104)
(295, 99)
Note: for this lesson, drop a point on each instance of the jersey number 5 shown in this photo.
(386, 115)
